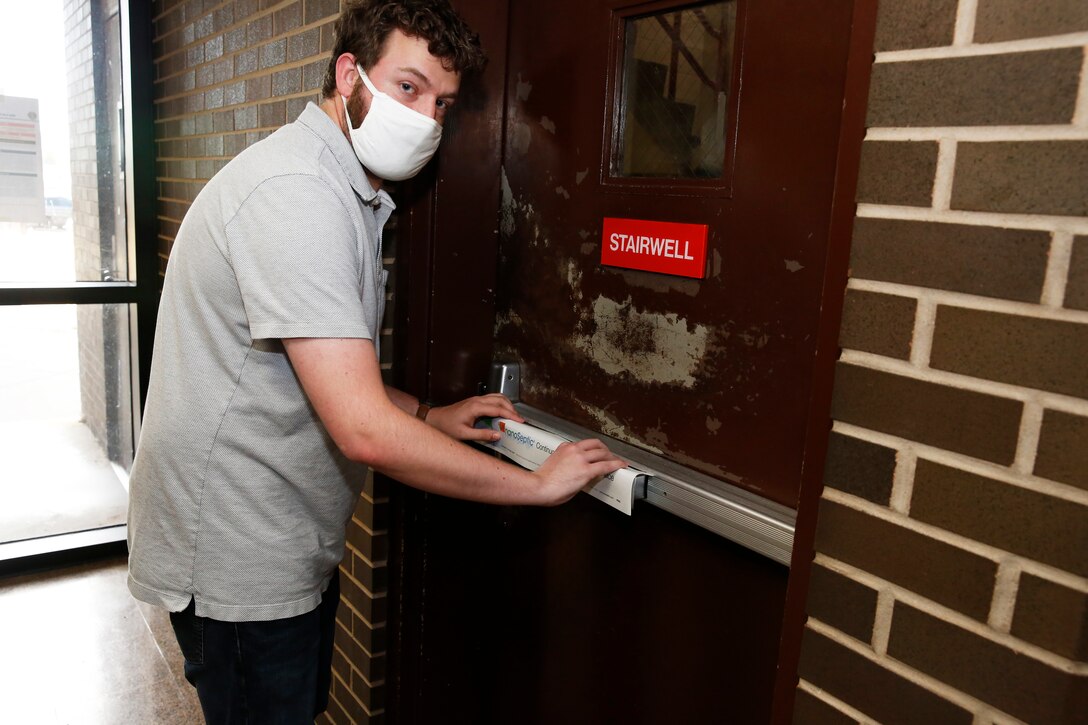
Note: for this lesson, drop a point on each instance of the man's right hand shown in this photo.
(572, 466)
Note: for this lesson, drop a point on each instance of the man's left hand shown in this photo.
(457, 420)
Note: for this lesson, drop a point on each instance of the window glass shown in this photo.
(676, 79)
(65, 418)
(62, 193)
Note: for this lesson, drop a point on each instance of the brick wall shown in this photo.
(79, 37)
(227, 75)
(950, 583)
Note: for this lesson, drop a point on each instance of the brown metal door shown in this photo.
(579, 614)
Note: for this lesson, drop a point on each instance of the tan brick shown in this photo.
(915, 24)
(897, 172)
(878, 323)
(866, 686)
(1038, 87)
(1013, 682)
(999, 20)
(1052, 616)
(946, 574)
(1035, 353)
(1031, 524)
(1022, 177)
(860, 468)
(1062, 454)
(1003, 263)
(842, 603)
(975, 424)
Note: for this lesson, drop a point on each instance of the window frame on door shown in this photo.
(717, 187)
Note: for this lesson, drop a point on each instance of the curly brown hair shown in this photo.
(364, 26)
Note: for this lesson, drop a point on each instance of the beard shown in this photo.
(357, 107)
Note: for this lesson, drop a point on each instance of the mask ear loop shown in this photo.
(366, 81)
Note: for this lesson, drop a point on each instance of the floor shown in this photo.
(55, 479)
(77, 649)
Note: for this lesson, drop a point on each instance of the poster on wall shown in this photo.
(22, 193)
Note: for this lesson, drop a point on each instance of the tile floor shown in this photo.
(77, 649)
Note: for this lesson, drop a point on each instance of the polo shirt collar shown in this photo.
(319, 122)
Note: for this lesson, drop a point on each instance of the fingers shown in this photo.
(592, 451)
(494, 406)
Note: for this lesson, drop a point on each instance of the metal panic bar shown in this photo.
(752, 521)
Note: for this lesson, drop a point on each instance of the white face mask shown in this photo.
(393, 142)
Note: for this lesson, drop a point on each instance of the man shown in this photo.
(266, 401)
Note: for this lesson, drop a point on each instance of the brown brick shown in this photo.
(1014, 683)
(259, 30)
(272, 54)
(272, 114)
(288, 18)
(976, 424)
(286, 81)
(376, 485)
(1023, 177)
(1035, 353)
(1076, 290)
(352, 649)
(373, 577)
(352, 705)
(245, 117)
(1004, 263)
(1028, 523)
(374, 514)
(951, 576)
(915, 24)
(1063, 449)
(373, 609)
(866, 686)
(258, 89)
(878, 323)
(897, 172)
(999, 20)
(320, 9)
(373, 546)
(1052, 616)
(246, 61)
(1038, 87)
(860, 468)
(809, 710)
(371, 636)
(842, 603)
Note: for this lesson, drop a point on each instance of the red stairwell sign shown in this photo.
(665, 247)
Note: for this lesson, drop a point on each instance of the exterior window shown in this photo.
(69, 292)
(675, 82)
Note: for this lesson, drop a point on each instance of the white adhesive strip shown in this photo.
(529, 447)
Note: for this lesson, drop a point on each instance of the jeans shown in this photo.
(268, 673)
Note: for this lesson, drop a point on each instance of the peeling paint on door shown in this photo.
(650, 347)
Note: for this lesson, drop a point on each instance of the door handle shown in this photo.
(755, 522)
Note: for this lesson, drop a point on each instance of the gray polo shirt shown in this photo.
(238, 497)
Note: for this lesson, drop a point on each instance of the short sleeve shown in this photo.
(295, 251)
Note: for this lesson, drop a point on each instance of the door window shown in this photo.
(675, 87)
